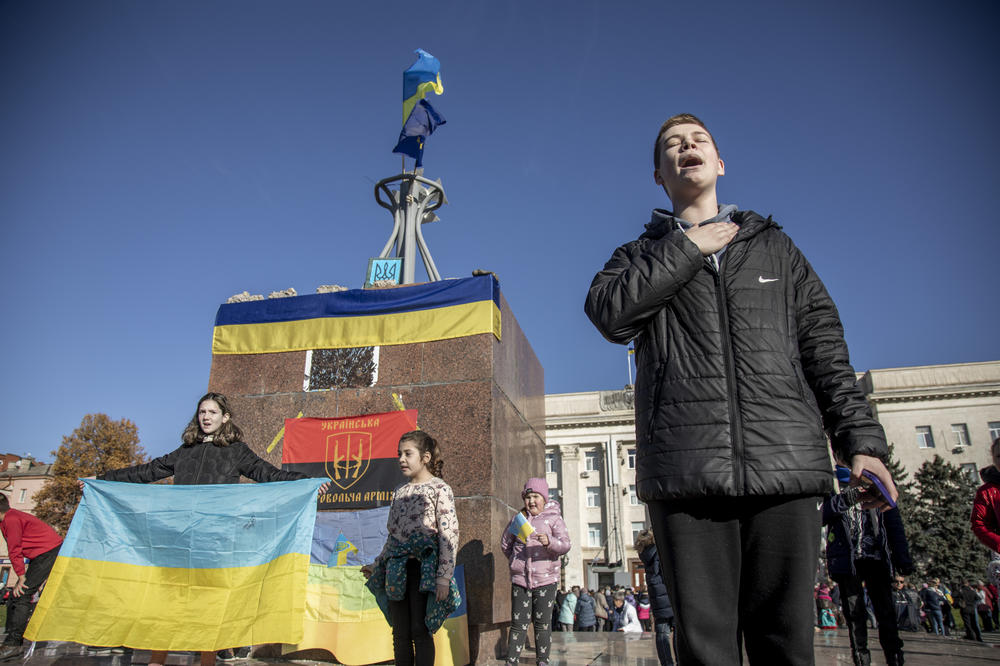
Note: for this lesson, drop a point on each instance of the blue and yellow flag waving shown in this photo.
(422, 76)
(160, 567)
(521, 528)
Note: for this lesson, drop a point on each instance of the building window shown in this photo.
(994, 431)
(553, 493)
(960, 434)
(633, 497)
(20, 498)
(630, 458)
(925, 440)
(594, 537)
(592, 461)
(971, 471)
(593, 496)
(636, 528)
(550, 463)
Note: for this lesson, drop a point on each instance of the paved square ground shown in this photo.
(572, 649)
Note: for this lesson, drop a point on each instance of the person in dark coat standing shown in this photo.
(743, 374)
(968, 598)
(864, 550)
(904, 618)
(663, 612)
(586, 617)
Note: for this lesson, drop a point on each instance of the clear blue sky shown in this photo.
(157, 157)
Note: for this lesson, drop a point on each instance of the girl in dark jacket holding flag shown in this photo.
(212, 452)
(533, 543)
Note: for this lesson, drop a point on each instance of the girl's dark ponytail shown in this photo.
(437, 467)
(426, 444)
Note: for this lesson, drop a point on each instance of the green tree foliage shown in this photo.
(906, 487)
(940, 535)
(96, 446)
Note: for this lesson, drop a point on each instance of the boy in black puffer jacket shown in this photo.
(742, 373)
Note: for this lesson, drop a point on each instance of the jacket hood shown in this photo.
(662, 222)
(551, 508)
(990, 475)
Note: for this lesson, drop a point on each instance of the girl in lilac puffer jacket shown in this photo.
(534, 568)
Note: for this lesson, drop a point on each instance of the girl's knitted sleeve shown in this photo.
(447, 528)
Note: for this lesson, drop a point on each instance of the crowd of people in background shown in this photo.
(610, 608)
(930, 606)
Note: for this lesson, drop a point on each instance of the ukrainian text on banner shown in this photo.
(358, 454)
(341, 613)
(360, 317)
(161, 567)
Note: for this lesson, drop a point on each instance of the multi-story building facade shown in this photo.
(947, 410)
(590, 469)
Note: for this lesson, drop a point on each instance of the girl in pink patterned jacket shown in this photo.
(534, 568)
(412, 577)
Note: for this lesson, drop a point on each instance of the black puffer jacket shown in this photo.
(840, 549)
(204, 463)
(738, 370)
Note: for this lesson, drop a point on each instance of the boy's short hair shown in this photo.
(4, 503)
(679, 119)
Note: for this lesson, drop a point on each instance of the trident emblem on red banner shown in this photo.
(347, 457)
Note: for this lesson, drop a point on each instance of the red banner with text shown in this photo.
(357, 453)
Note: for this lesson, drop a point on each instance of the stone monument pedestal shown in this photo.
(482, 398)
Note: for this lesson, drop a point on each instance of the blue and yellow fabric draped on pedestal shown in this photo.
(360, 317)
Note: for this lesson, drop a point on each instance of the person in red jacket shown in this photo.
(27, 537)
(986, 507)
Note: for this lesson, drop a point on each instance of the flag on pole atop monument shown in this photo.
(423, 120)
(420, 78)
(420, 119)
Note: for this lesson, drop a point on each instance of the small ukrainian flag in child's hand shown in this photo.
(521, 528)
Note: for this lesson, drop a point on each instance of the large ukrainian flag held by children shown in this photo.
(161, 567)
(360, 317)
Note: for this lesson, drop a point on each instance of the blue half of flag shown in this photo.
(423, 120)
